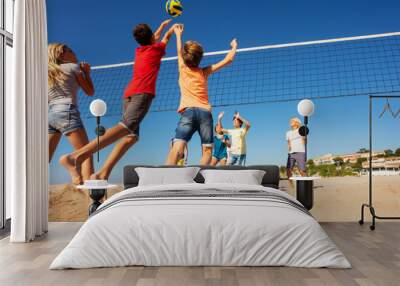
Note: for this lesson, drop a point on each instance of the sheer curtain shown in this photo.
(26, 124)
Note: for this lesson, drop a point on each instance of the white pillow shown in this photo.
(248, 177)
(166, 176)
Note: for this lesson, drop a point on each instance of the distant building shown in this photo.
(382, 167)
(327, 159)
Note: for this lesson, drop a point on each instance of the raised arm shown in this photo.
(219, 124)
(157, 34)
(245, 122)
(84, 79)
(227, 60)
(168, 34)
(178, 29)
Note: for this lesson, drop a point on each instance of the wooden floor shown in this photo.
(375, 257)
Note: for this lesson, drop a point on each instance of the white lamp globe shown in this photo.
(98, 107)
(305, 107)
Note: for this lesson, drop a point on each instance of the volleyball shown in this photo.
(174, 8)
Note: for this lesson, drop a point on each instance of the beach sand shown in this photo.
(339, 199)
(335, 199)
(67, 203)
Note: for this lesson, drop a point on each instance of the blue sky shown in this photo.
(100, 33)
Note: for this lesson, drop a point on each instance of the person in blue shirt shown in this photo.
(221, 143)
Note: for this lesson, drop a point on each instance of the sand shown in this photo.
(67, 203)
(335, 199)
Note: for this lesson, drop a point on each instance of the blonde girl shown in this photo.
(65, 77)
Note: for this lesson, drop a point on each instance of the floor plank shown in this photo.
(375, 257)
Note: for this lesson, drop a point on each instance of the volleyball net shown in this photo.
(276, 73)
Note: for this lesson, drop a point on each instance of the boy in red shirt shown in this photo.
(138, 96)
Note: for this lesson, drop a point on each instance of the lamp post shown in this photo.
(98, 108)
(304, 185)
(305, 109)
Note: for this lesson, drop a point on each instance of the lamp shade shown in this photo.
(305, 107)
(98, 107)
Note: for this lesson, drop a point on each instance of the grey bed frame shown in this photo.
(271, 177)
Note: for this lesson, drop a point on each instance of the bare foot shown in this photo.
(98, 176)
(74, 170)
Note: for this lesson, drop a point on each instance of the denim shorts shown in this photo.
(237, 159)
(220, 156)
(196, 119)
(298, 158)
(64, 118)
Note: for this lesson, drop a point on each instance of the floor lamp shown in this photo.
(305, 109)
(304, 185)
(98, 108)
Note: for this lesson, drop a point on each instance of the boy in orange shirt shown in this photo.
(194, 107)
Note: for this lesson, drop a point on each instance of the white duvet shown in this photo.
(206, 231)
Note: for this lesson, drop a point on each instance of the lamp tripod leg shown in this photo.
(98, 137)
(98, 146)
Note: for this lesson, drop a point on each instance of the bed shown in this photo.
(201, 224)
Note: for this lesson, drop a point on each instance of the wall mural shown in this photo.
(242, 106)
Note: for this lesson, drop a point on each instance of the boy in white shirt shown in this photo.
(238, 138)
(297, 149)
